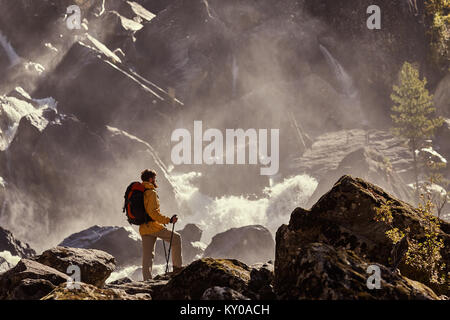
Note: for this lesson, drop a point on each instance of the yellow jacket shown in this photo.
(151, 203)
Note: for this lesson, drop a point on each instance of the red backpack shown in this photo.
(134, 204)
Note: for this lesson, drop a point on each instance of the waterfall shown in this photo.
(351, 95)
(345, 81)
(13, 57)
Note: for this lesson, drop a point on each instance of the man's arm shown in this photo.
(151, 204)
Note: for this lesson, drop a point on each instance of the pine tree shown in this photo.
(413, 112)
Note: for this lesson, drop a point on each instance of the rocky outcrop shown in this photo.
(123, 243)
(250, 244)
(321, 272)
(29, 280)
(95, 265)
(16, 247)
(343, 218)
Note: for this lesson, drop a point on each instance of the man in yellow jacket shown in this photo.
(154, 229)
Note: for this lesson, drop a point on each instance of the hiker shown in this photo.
(154, 229)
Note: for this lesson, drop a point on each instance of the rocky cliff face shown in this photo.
(371, 165)
(64, 149)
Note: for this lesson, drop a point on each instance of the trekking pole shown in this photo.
(165, 254)
(170, 247)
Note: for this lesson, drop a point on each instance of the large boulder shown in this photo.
(14, 246)
(206, 273)
(95, 265)
(319, 271)
(29, 280)
(191, 232)
(344, 218)
(124, 243)
(250, 244)
(192, 248)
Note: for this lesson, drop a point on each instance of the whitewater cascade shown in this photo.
(348, 88)
(215, 215)
(13, 57)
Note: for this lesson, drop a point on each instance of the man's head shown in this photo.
(149, 176)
